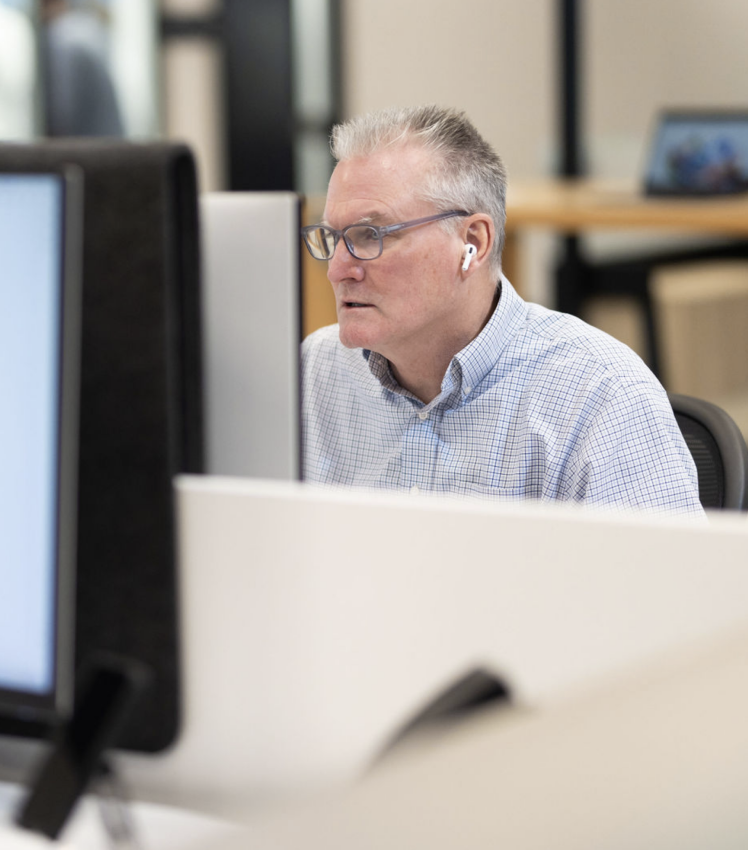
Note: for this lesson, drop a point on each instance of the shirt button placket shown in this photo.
(423, 416)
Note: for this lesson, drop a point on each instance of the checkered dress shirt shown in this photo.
(539, 405)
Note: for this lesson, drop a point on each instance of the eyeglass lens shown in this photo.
(321, 242)
(362, 240)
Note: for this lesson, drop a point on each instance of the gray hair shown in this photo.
(468, 174)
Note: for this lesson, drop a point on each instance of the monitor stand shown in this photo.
(105, 699)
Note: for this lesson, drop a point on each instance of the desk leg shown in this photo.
(572, 273)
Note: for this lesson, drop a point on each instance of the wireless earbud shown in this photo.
(470, 252)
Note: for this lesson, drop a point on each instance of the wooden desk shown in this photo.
(573, 206)
(570, 207)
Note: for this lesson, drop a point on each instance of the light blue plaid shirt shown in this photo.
(540, 405)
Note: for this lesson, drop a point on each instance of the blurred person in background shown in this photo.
(79, 93)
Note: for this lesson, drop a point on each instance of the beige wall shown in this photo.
(497, 60)
(643, 54)
(492, 58)
(191, 96)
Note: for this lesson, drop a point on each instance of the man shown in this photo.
(438, 376)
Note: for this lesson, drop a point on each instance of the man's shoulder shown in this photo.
(326, 337)
(563, 342)
(322, 350)
(322, 345)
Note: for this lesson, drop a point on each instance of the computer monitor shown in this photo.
(252, 318)
(319, 621)
(698, 152)
(40, 238)
(140, 409)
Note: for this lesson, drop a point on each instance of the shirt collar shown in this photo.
(380, 368)
(479, 356)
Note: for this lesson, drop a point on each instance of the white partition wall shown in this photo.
(316, 621)
(252, 332)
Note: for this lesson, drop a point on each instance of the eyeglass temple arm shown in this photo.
(393, 228)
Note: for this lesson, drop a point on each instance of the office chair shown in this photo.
(719, 450)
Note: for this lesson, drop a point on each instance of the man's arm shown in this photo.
(634, 455)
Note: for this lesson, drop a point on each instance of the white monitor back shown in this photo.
(658, 760)
(252, 330)
(316, 622)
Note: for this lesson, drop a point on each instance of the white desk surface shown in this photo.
(157, 827)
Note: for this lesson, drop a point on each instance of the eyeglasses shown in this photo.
(364, 241)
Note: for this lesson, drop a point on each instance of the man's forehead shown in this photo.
(374, 188)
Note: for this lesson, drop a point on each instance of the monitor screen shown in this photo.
(697, 152)
(39, 295)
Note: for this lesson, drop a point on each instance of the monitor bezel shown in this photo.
(55, 704)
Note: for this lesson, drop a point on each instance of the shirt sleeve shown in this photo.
(633, 455)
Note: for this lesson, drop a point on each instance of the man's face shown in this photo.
(400, 303)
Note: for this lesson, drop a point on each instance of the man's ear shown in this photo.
(480, 234)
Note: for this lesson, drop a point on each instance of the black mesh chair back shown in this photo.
(718, 449)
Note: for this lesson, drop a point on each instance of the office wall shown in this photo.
(497, 59)
(644, 54)
(192, 94)
(494, 58)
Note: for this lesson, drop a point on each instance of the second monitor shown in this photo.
(252, 331)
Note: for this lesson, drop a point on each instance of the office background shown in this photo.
(497, 60)
(500, 61)
(501, 66)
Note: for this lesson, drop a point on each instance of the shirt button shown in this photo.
(466, 390)
(423, 415)
(414, 489)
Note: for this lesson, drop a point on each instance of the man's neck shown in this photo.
(425, 384)
(422, 373)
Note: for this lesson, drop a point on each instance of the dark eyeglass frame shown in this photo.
(380, 233)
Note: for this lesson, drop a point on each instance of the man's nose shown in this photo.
(343, 265)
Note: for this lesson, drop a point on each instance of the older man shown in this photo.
(438, 377)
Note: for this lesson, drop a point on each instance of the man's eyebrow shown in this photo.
(372, 218)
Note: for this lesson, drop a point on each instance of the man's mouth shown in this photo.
(355, 304)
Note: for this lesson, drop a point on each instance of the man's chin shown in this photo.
(356, 338)
(348, 340)
(353, 334)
